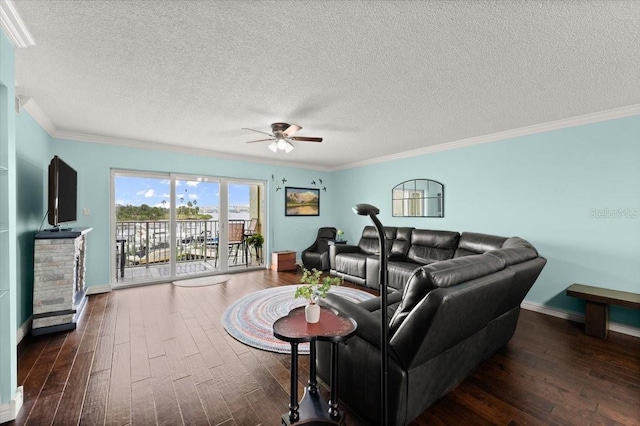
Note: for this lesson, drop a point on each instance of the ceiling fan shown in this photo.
(282, 137)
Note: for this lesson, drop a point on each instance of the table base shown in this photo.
(313, 409)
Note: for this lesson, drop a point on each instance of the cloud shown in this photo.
(192, 183)
(166, 195)
(194, 196)
(147, 193)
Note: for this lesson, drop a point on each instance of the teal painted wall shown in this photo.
(8, 282)
(32, 162)
(93, 163)
(550, 188)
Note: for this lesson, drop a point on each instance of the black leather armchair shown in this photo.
(317, 255)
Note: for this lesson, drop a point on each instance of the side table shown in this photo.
(283, 260)
(334, 242)
(295, 329)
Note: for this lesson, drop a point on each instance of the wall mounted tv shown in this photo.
(63, 186)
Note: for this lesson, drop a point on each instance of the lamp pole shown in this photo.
(372, 212)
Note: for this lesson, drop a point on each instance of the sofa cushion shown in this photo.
(515, 242)
(352, 264)
(399, 273)
(369, 243)
(446, 273)
(401, 245)
(474, 243)
(455, 271)
(417, 287)
(428, 246)
(512, 256)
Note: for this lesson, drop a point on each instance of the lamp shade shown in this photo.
(289, 147)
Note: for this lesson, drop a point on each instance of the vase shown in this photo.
(312, 313)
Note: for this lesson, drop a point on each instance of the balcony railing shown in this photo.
(147, 242)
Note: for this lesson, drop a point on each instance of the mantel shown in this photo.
(63, 233)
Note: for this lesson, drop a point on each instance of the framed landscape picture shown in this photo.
(301, 201)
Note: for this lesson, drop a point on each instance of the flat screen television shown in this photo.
(63, 190)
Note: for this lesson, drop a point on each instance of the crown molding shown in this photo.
(580, 120)
(157, 146)
(41, 118)
(13, 25)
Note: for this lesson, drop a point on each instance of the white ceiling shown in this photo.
(374, 78)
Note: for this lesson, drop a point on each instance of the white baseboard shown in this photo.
(97, 289)
(24, 329)
(577, 317)
(10, 410)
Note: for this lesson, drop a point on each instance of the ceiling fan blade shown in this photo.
(305, 139)
(258, 131)
(293, 128)
(261, 140)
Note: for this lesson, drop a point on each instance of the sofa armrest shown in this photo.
(340, 248)
(368, 323)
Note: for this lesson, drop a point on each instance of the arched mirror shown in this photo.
(418, 198)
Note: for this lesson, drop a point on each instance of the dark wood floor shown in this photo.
(159, 355)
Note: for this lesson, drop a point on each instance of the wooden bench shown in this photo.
(596, 317)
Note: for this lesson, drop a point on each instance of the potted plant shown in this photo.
(313, 290)
(256, 241)
(339, 234)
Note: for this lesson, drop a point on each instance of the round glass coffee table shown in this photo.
(294, 328)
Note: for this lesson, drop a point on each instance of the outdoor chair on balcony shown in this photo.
(251, 229)
(236, 240)
(317, 255)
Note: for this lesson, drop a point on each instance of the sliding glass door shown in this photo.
(170, 226)
(143, 234)
(196, 204)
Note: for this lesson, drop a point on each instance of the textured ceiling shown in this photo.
(374, 78)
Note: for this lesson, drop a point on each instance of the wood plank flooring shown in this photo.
(159, 355)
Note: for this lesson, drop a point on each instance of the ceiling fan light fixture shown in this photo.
(281, 139)
(294, 128)
(289, 147)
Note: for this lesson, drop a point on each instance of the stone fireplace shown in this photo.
(59, 292)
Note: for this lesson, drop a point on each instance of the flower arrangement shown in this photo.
(339, 233)
(314, 288)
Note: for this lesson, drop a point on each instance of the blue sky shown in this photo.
(137, 191)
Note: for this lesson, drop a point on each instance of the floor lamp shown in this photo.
(372, 212)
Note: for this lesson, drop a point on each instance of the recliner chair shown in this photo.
(317, 255)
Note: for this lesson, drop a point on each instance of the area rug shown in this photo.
(250, 319)
(200, 282)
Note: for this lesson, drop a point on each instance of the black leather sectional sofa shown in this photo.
(453, 300)
(409, 248)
